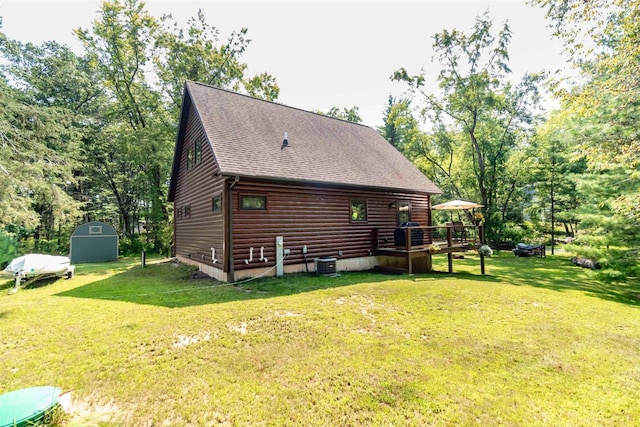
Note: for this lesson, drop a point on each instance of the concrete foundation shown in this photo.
(347, 264)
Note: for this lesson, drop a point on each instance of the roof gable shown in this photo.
(246, 137)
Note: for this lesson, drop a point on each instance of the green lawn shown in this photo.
(536, 342)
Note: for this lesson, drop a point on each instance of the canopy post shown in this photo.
(450, 254)
(481, 233)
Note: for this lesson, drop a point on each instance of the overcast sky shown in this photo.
(322, 53)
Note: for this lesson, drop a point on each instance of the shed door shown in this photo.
(94, 248)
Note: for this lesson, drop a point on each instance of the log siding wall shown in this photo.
(194, 236)
(317, 217)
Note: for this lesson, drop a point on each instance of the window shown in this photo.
(253, 203)
(95, 229)
(194, 155)
(183, 212)
(197, 153)
(358, 210)
(404, 212)
(189, 159)
(216, 203)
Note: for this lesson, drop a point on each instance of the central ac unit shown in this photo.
(325, 266)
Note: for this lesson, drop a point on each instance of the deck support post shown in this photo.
(481, 233)
(376, 238)
(407, 241)
(450, 254)
(407, 238)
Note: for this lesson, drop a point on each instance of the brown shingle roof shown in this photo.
(246, 136)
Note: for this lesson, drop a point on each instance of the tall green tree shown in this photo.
(93, 134)
(476, 113)
(607, 95)
(400, 127)
(554, 173)
(142, 63)
(433, 153)
(41, 130)
(120, 44)
(601, 111)
(197, 53)
(349, 114)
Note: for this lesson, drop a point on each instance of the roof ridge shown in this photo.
(275, 103)
(245, 140)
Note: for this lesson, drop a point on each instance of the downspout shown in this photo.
(172, 248)
(230, 269)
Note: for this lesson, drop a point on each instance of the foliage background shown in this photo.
(90, 136)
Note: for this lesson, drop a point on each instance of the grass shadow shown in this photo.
(95, 268)
(173, 285)
(557, 273)
(7, 284)
(30, 283)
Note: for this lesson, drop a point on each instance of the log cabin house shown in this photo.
(260, 188)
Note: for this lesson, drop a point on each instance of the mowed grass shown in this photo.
(535, 342)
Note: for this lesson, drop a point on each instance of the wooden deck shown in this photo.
(411, 248)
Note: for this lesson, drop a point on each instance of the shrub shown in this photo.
(8, 249)
(131, 246)
(513, 233)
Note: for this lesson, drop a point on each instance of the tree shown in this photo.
(120, 45)
(606, 97)
(477, 117)
(600, 113)
(197, 54)
(142, 63)
(432, 153)
(349, 114)
(399, 127)
(37, 167)
(40, 133)
(554, 176)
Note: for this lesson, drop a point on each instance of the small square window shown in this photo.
(258, 203)
(216, 203)
(358, 210)
(95, 229)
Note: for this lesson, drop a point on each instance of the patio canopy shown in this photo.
(457, 204)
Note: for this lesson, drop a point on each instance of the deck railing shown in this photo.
(420, 242)
(431, 237)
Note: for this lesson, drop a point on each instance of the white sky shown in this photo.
(322, 53)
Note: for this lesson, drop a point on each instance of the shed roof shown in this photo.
(86, 228)
(246, 136)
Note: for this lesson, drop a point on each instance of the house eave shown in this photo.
(326, 184)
